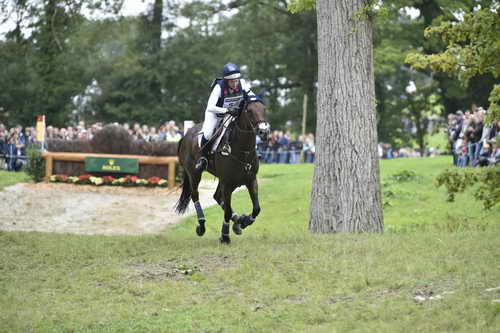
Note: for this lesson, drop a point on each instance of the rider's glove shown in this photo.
(233, 111)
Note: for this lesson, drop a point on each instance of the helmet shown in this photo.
(231, 71)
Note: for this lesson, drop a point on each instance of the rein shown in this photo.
(247, 153)
(249, 121)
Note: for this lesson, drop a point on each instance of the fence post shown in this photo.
(48, 166)
(171, 174)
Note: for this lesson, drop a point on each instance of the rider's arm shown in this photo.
(212, 101)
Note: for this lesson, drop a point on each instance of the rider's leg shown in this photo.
(202, 162)
(208, 129)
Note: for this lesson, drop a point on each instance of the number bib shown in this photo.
(232, 101)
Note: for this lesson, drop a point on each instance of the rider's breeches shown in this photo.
(209, 124)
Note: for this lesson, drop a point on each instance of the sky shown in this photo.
(130, 8)
(135, 7)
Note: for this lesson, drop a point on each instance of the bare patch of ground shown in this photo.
(178, 268)
(90, 210)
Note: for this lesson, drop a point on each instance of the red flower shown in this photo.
(129, 179)
(107, 179)
(154, 180)
(84, 177)
(62, 178)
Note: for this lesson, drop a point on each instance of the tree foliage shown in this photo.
(301, 5)
(57, 61)
(485, 183)
(472, 48)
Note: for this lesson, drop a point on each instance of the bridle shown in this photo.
(255, 127)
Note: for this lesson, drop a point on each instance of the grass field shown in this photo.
(431, 271)
(8, 178)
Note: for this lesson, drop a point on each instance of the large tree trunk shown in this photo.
(346, 191)
(156, 26)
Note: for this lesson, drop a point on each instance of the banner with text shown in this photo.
(112, 165)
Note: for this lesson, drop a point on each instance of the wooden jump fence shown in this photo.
(169, 161)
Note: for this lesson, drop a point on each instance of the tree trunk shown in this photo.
(420, 130)
(346, 190)
(156, 26)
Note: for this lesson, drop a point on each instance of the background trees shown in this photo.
(59, 60)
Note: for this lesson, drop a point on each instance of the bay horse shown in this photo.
(238, 168)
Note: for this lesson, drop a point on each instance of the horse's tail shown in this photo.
(182, 204)
(179, 145)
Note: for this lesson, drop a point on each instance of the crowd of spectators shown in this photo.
(387, 152)
(472, 142)
(14, 141)
(283, 147)
(169, 131)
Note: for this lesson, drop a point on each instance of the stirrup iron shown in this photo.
(225, 150)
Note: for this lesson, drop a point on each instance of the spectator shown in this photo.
(13, 152)
(172, 132)
(485, 155)
(309, 148)
(283, 143)
(83, 135)
(3, 148)
(153, 136)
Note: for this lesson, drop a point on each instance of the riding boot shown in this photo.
(226, 145)
(202, 162)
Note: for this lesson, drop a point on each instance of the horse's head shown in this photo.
(255, 112)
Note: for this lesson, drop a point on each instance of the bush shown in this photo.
(404, 176)
(484, 181)
(35, 167)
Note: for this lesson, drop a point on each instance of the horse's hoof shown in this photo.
(200, 230)
(245, 221)
(225, 240)
(237, 228)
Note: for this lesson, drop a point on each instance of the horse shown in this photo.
(238, 168)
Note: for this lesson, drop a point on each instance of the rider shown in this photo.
(225, 99)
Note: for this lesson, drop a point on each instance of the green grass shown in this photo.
(8, 178)
(276, 277)
(437, 140)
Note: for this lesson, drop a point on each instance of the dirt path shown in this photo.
(89, 210)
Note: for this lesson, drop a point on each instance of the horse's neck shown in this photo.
(243, 137)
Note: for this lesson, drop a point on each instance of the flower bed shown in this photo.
(128, 180)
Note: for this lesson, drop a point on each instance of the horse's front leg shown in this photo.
(228, 213)
(253, 190)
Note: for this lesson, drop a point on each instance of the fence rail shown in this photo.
(169, 161)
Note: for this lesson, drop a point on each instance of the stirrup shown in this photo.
(201, 164)
(226, 149)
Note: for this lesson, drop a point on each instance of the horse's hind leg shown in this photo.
(219, 197)
(195, 196)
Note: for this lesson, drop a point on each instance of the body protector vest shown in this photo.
(228, 98)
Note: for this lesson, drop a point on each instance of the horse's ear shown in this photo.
(258, 98)
(261, 96)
